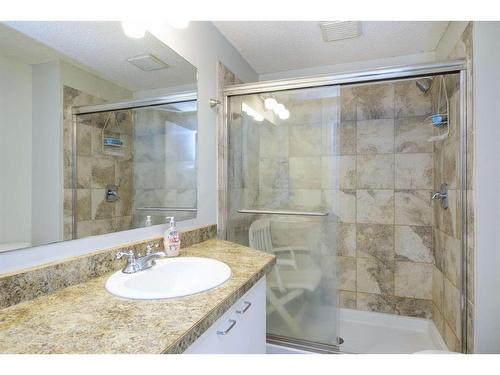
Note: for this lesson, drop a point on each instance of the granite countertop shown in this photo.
(85, 318)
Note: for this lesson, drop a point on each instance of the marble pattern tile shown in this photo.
(411, 135)
(414, 171)
(348, 103)
(451, 307)
(437, 288)
(410, 101)
(413, 207)
(375, 241)
(413, 280)
(346, 273)
(347, 138)
(304, 140)
(346, 239)
(305, 172)
(413, 243)
(375, 206)
(374, 101)
(375, 136)
(338, 172)
(389, 304)
(375, 171)
(374, 276)
(347, 300)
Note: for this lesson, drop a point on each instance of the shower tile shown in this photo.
(101, 209)
(438, 246)
(123, 207)
(103, 226)
(451, 307)
(273, 173)
(305, 140)
(338, 172)
(103, 172)
(450, 219)
(348, 103)
(346, 239)
(273, 141)
(413, 243)
(374, 101)
(413, 280)
(341, 203)
(451, 340)
(84, 170)
(375, 241)
(83, 205)
(347, 138)
(452, 260)
(272, 198)
(84, 228)
(305, 112)
(346, 273)
(418, 308)
(305, 199)
(449, 160)
(437, 288)
(375, 136)
(375, 171)
(375, 206)
(409, 100)
(347, 300)
(68, 203)
(374, 276)
(414, 171)
(411, 135)
(413, 207)
(83, 140)
(124, 175)
(438, 319)
(68, 169)
(375, 302)
(305, 173)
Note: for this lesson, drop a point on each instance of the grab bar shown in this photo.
(166, 209)
(278, 212)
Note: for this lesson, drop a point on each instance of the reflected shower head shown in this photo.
(424, 84)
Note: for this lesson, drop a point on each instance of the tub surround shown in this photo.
(34, 282)
(85, 318)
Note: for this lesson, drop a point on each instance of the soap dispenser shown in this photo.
(171, 239)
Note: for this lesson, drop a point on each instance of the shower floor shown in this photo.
(375, 333)
(378, 333)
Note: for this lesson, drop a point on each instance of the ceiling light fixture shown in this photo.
(134, 29)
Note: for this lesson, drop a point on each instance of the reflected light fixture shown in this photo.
(284, 114)
(270, 103)
(252, 112)
(134, 29)
(179, 24)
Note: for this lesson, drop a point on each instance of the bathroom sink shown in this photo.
(170, 278)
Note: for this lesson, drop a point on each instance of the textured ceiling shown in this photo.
(274, 46)
(100, 47)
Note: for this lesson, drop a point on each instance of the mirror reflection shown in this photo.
(98, 132)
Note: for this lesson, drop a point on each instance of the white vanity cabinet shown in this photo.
(241, 330)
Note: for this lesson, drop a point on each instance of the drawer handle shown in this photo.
(232, 323)
(244, 310)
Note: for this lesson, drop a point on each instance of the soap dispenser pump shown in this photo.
(171, 239)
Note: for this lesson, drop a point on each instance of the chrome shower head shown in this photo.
(424, 84)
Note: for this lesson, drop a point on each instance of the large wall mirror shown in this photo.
(98, 132)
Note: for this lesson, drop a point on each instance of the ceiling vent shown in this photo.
(338, 30)
(147, 62)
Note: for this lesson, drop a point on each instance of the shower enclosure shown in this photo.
(336, 177)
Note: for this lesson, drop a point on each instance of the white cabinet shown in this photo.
(241, 330)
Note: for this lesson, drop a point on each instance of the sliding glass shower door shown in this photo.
(282, 194)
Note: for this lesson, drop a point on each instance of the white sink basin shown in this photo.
(170, 278)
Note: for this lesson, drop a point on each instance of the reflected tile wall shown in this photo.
(97, 167)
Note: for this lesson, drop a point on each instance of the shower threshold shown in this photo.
(365, 332)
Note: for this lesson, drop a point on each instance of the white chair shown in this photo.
(295, 273)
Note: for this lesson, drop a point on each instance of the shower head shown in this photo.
(424, 84)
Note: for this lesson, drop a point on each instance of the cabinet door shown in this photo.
(241, 330)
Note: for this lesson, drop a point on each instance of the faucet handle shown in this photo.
(149, 248)
(129, 254)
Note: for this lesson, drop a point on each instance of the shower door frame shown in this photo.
(186, 96)
(362, 76)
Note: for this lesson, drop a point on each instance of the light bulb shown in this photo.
(284, 115)
(179, 24)
(278, 108)
(270, 103)
(134, 29)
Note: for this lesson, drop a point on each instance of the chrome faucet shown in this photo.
(136, 264)
(442, 195)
